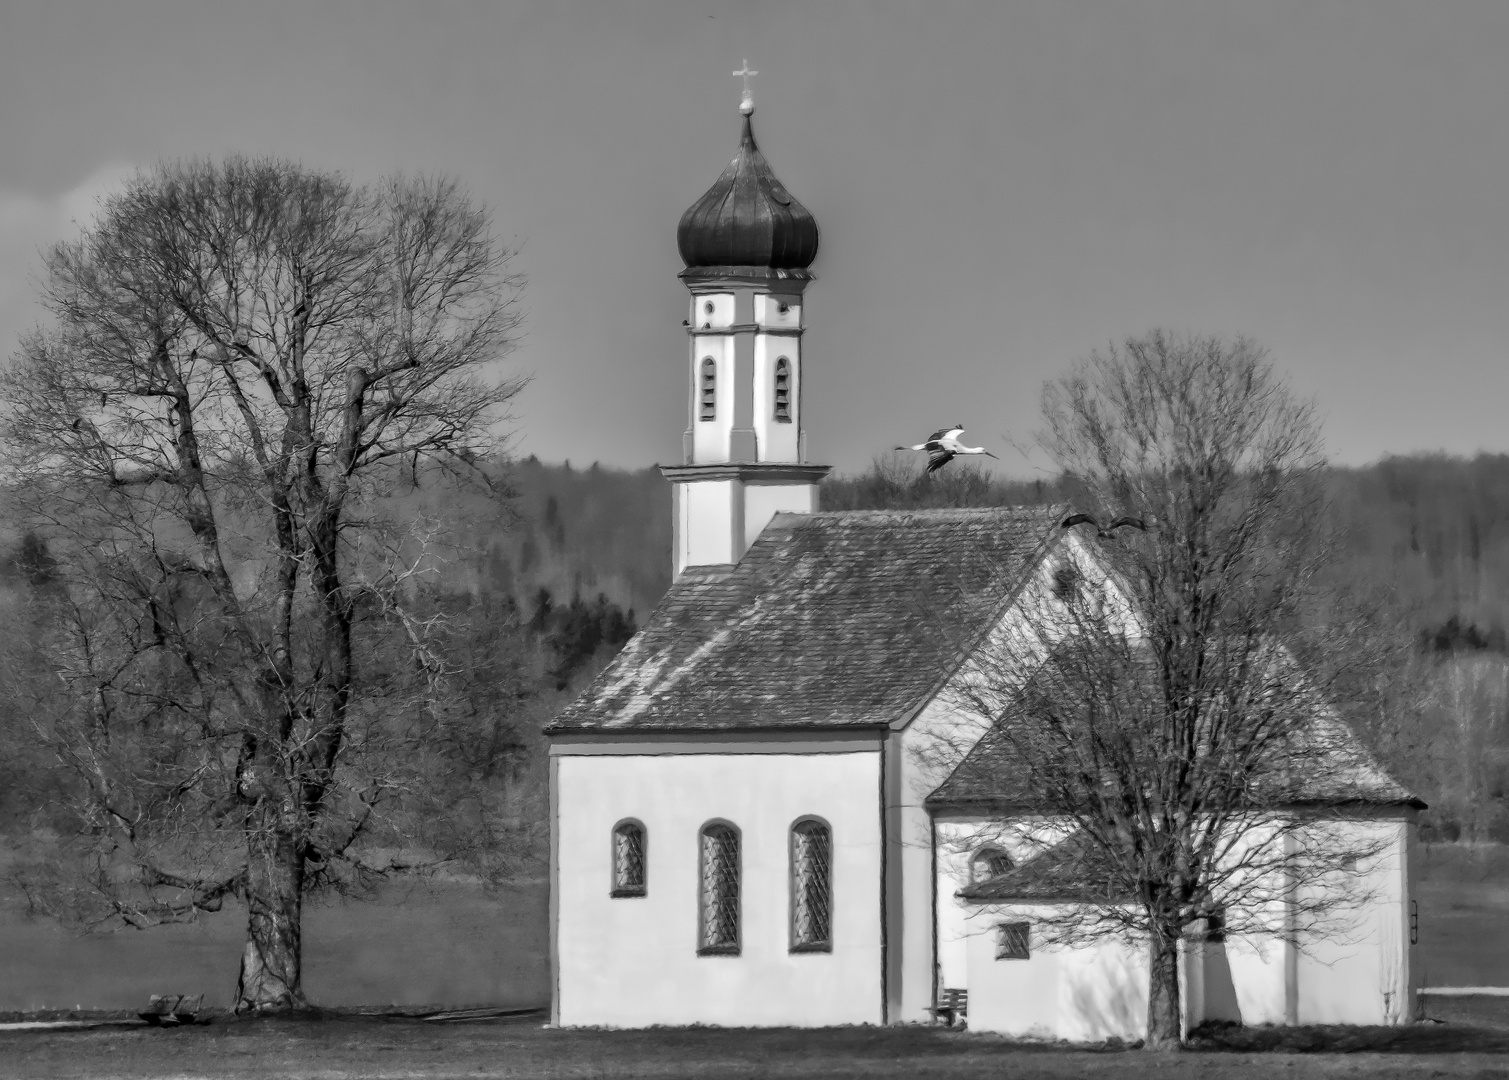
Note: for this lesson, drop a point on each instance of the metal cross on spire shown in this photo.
(747, 105)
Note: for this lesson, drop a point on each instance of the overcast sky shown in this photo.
(1001, 187)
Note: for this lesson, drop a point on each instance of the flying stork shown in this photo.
(943, 446)
(1105, 533)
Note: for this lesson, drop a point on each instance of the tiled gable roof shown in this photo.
(831, 620)
(1073, 870)
(1334, 769)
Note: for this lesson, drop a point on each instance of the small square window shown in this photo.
(1013, 941)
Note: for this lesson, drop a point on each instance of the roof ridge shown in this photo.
(1023, 510)
(819, 623)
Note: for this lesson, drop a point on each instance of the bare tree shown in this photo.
(1161, 714)
(244, 357)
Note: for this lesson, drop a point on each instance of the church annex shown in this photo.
(745, 828)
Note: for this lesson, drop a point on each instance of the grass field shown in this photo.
(449, 943)
(416, 945)
(372, 1048)
(1464, 915)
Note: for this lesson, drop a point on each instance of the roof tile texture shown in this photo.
(831, 620)
(1331, 767)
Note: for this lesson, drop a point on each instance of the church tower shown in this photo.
(746, 245)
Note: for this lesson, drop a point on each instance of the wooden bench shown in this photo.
(953, 1005)
(170, 1010)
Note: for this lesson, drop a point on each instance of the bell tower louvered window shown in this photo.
(811, 887)
(707, 390)
(783, 391)
(719, 892)
(628, 859)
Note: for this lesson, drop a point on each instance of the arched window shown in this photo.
(783, 391)
(719, 891)
(987, 863)
(707, 408)
(628, 859)
(811, 887)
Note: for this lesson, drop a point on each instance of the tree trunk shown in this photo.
(1163, 1019)
(271, 976)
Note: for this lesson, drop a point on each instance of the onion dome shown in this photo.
(747, 218)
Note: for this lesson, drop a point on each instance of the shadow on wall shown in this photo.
(417, 944)
(1104, 993)
(1220, 991)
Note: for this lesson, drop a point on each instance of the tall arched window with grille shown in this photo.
(629, 851)
(811, 886)
(707, 389)
(783, 391)
(718, 894)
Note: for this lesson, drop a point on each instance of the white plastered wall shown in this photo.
(767, 310)
(763, 501)
(777, 441)
(1358, 970)
(1363, 975)
(957, 843)
(633, 962)
(707, 514)
(1353, 967)
(710, 438)
(932, 745)
(712, 310)
(923, 764)
(1079, 993)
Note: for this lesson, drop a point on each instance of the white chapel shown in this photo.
(745, 830)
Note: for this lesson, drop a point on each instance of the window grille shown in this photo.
(811, 887)
(720, 889)
(1013, 941)
(708, 409)
(988, 863)
(629, 859)
(783, 391)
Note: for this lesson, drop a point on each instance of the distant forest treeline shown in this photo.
(1429, 532)
(578, 558)
(1433, 528)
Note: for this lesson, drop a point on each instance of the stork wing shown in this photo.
(1078, 519)
(941, 433)
(938, 456)
(1136, 523)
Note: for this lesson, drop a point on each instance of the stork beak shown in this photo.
(992, 455)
